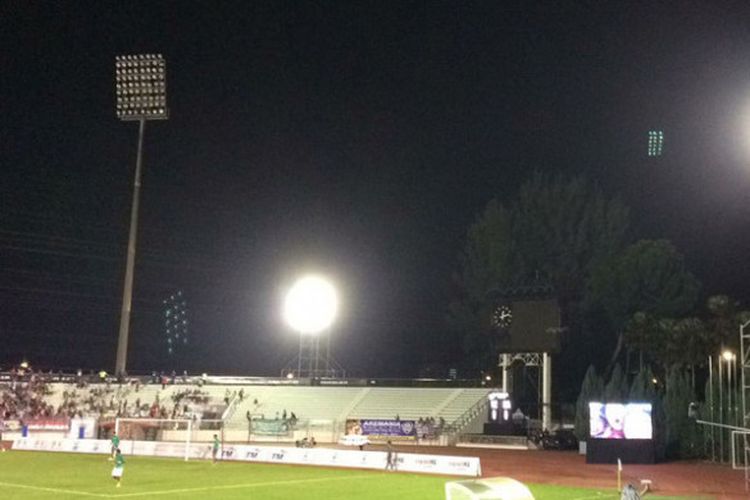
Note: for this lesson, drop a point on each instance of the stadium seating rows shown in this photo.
(340, 403)
(307, 403)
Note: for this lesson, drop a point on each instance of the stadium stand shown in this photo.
(301, 410)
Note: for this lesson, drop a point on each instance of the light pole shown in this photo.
(721, 413)
(141, 94)
(310, 307)
(727, 357)
(711, 405)
(744, 362)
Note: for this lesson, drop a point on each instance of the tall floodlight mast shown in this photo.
(310, 308)
(141, 94)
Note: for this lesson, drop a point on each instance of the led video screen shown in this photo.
(620, 421)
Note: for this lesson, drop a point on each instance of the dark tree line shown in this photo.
(623, 300)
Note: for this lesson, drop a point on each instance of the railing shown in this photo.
(92, 378)
(494, 441)
(465, 419)
(231, 408)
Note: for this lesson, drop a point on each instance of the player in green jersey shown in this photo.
(115, 444)
(119, 467)
(215, 449)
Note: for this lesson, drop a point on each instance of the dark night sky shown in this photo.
(359, 139)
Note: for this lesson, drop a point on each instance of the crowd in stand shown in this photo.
(428, 428)
(23, 393)
(23, 398)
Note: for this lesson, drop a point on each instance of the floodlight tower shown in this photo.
(310, 308)
(141, 90)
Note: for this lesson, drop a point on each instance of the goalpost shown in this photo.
(169, 437)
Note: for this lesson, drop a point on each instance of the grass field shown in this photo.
(61, 476)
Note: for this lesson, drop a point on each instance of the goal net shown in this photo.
(496, 488)
(184, 438)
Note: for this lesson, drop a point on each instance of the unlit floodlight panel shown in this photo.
(141, 87)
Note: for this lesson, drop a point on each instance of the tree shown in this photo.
(592, 389)
(725, 317)
(616, 389)
(647, 277)
(668, 342)
(643, 387)
(563, 229)
(556, 229)
(682, 437)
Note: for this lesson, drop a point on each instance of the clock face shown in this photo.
(502, 317)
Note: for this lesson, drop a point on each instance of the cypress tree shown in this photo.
(592, 389)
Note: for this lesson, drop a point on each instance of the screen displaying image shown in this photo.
(620, 421)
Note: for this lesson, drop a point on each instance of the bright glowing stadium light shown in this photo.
(311, 305)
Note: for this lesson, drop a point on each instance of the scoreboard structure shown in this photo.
(526, 324)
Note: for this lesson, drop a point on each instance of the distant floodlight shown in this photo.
(655, 142)
(311, 305)
(727, 355)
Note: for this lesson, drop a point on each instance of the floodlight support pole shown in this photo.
(504, 367)
(721, 412)
(328, 355)
(546, 391)
(744, 370)
(127, 293)
(744, 365)
(299, 357)
(711, 405)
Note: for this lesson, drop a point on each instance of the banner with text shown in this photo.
(267, 427)
(407, 462)
(382, 428)
(47, 424)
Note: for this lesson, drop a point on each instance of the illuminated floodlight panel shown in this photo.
(311, 305)
(141, 87)
(655, 142)
(175, 323)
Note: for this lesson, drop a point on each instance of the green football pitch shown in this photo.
(61, 476)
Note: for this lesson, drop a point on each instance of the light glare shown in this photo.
(311, 305)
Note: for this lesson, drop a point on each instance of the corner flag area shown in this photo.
(62, 476)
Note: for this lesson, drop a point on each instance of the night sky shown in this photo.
(357, 139)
